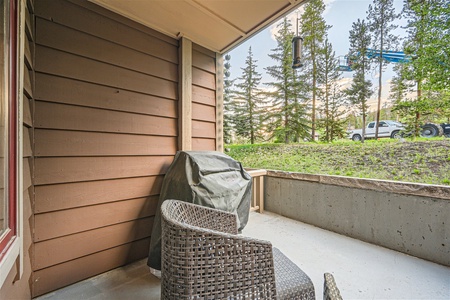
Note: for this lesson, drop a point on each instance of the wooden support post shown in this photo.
(185, 92)
(219, 102)
(257, 189)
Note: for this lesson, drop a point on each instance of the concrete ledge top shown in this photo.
(405, 188)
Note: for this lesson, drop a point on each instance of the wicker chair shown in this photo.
(330, 289)
(204, 258)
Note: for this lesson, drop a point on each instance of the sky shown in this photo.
(340, 14)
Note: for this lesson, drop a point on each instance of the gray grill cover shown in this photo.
(207, 178)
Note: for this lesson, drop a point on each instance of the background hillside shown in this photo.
(423, 161)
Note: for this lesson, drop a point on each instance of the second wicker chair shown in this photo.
(204, 258)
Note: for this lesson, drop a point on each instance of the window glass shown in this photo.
(371, 125)
(4, 60)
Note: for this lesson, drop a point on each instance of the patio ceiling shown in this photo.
(218, 25)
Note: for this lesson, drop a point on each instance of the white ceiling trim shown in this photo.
(215, 16)
(205, 40)
(258, 28)
(132, 17)
(177, 36)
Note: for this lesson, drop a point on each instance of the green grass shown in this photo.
(422, 160)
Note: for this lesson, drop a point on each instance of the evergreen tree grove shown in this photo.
(313, 31)
(247, 99)
(428, 46)
(380, 17)
(331, 99)
(288, 117)
(360, 91)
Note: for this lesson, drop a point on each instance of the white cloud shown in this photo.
(328, 5)
(292, 17)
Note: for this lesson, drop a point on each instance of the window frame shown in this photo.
(11, 243)
(11, 178)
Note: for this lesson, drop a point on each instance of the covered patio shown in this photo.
(361, 270)
(104, 100)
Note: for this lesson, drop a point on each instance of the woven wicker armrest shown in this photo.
(201, 216)
(291, 281)
(330, 289)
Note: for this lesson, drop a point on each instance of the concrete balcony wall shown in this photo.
(410, 218)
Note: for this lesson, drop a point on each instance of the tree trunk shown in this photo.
(363, 127)
(313, 114)
(380, 81)
(416, 122)
(286, 133)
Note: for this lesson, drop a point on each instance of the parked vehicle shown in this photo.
(386, 128)
(435, 130)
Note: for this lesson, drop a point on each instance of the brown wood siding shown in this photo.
(203, 112)
(78, 143)
(70, 195)
(72, 221)
(203, 96)
(13, 287)
(90, 241)
(105, 132)
(203, 144)
(203, 99)
(65, 64)
(66, 39)
(203, 129)
(61, 116)
(64, 90)
(89, 265)
(51, 170)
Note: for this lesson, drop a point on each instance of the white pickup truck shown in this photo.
(386, 128)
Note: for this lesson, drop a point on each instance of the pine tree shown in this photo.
(288, 111)
(428, 41)
(360, 91)
(331, 100)
(338, 121)
(313, 31)
(248, 101)
(381, 16)
(400, 85)
(427, 45)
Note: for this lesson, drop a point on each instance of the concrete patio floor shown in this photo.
(361, 270)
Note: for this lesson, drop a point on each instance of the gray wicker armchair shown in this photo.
(204, 258)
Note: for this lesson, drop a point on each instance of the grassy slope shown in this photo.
(425, 161)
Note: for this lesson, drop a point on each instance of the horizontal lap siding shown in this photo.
(70, 195)
(79, 143)
(105, 132)
(72, 221)
(79, 93)
(90, 241)
(86, 266)
(99, 120)
(51, 170)
(203, 99)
